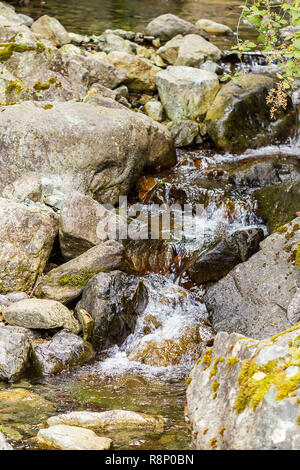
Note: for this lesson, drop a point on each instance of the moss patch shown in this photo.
(231, 361)
(215, 366)
(207, 358)
(8, 49)
(77, 279)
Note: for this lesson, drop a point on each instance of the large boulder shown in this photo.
(14, 352)
(84, 223)
(111, 148)
(114, 301)
(117, 419)
(62, 437)
(27, 234)
(50, 28)
(253, 299)
(140, 72)
(40, 314)
(278, 203)
(186, 92)
(244, 394)
(214, 263)
(66, 282)
(191, 50)
(64, 351)
(167, 26)
(240, 118)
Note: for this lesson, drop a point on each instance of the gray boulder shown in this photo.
(244, 394)
(93, 161)
(114, 301)
(84, 223)
(66, 282)
(186, 92)
(167, 26)
(191, 50)
(254, 298)
(14, 352)
(64, 351)
(40, 314)
(50, 28)
(27, 234)
(217, 261)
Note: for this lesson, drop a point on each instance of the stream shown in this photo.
(116, 379)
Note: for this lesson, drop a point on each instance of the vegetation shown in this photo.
(278, 35)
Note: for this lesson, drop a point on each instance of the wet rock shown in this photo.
(211, 27)
(278, 203)
(50, 28)
(218, 260)
(154, 110)
(167, 26)
(84, 223)
(253, 299)
(173, 351)
(186, 92)
(148, 256)
(27, 235)
(22, 402)
(191, 50)
(66, 282)
(108, 419)
(63, 437)
(140, 72)
(243, 394)
(183, 132)
(113, 300)
(14, 353)
(4, 445)
(40, 314)
(239, 118)
(64, 351)
(85, 162)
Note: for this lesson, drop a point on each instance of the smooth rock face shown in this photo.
(215, 263)
(278, 203)
(39, 140)
(167, 26)
(253, 299)
(191, 50)
(84, 223)
(113, 300)
(186, 92)
(244, 394)
(211, 27)
(14, 352)
(63, 437)
(41, 314)
(4, 445)
(66, 282)
(64, 351)
(51, 29)
(107, 419)
(139, 71)
(27, 234)
(239, 118)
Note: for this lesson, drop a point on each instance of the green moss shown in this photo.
(215, 386)
(231, 361)
(282, 229)
(40, 47)
(77, 280)
(298, 255)
(188, 381)
(215, 366)
(14, 87)
(221, 432)
(254, 386)
(213, 443)
(207, 358)
(48, 106)
(8, 49)
(39, 86)
(293, 328)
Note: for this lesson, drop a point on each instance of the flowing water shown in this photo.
(147, 372)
